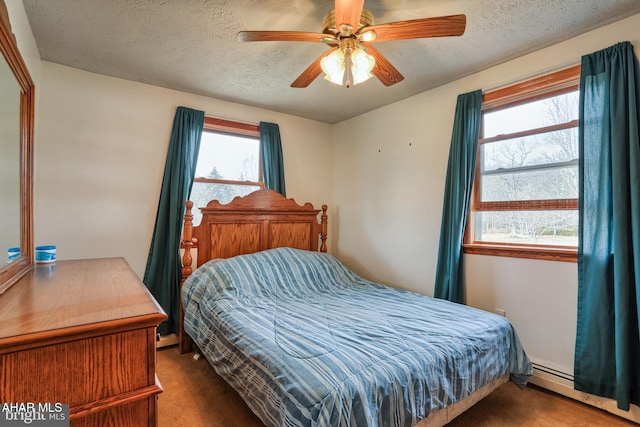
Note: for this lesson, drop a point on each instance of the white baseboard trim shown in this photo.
(167, 340)
(564, 386)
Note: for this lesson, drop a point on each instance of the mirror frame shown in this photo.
(10, 273)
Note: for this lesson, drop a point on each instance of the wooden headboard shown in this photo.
(261, 220)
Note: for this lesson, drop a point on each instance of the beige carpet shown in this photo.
(194, 395)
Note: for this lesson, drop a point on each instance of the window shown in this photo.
(525, 201)
(228, 163)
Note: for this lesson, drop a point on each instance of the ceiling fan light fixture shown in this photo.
(349, 69)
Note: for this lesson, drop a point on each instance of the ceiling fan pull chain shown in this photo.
(348, 72)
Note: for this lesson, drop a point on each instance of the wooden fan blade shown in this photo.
(311, 72)
(281, 36)
(383, 70)
(443, 26)
(348, 12)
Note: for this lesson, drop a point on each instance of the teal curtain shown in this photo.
(272, 160)
(162, 274)
(457, 195)
(607, 354)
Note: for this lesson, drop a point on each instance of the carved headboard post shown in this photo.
(323, 232)
(185, 344)
(187, 241)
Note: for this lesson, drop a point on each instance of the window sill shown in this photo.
(549, 253)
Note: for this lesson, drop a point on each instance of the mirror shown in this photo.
(16, 159)
(9, 165)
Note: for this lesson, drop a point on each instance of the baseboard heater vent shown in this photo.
(562, 383)
(551, 371)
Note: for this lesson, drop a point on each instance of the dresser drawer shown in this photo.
(77, 372)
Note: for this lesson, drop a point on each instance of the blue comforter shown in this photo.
(307, 342)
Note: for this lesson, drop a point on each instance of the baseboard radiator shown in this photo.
(561, 382)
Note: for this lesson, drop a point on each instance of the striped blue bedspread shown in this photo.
(307, 342)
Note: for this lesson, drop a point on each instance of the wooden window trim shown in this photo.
(529, 205)
(232, 127)
(527, 90)
(549, 253)
(229, 182)
(524, 92)
(537, 131)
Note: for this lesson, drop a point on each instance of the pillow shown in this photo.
(280, 272)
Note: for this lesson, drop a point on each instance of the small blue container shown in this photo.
(45, 254)
(13, 254)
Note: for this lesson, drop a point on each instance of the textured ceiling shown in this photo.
(191, 45)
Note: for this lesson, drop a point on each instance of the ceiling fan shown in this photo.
(349, 30)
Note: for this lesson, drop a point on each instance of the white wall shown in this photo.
(100, 157)
(389, 169)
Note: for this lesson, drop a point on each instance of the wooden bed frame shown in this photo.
(261, 220)
(264, 220)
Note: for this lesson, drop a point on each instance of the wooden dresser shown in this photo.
(82, 333)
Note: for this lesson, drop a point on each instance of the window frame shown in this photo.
(555, 83)
(231, 127)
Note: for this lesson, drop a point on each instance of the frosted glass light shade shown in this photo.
(337, 70)
(362, 65)
(333, 67)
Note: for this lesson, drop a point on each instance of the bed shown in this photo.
(307, 342)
